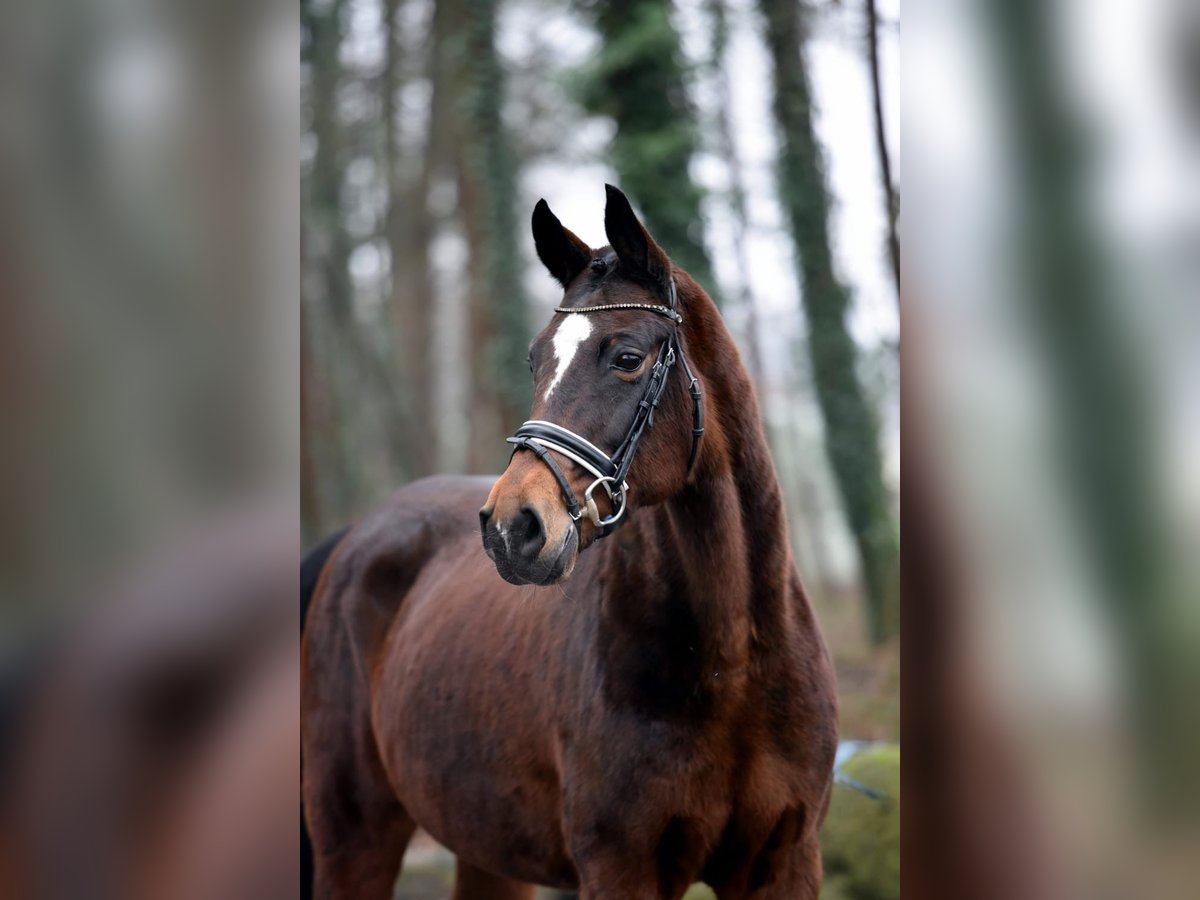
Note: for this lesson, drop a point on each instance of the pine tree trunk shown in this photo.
(362, 418)
(409, 232)
(310, 507)
(332, 250)
(640, 82)
(727, 149)
(325, 253)
(487, 174)
(851, 429)
(891, 198)
(1102, 415)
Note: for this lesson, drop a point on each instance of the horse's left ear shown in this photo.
(632, 243)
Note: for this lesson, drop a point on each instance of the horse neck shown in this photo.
(701, 581)
(729, 522)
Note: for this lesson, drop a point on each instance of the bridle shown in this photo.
(540, 437)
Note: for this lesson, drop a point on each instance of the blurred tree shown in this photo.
(322, 31)
(409, 230)
(723, 127)
(851, 429)
(325, 253)
(488, 177)
(1103, 421)
(486, 172)
(639, 80)
(891, 198)
(357, 424)
(310, 505)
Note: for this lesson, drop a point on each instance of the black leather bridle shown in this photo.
(540, 437)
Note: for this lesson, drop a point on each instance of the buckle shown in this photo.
(594, 512)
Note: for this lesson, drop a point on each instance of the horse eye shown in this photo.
(628, 362)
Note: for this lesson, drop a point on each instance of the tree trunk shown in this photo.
(891, 198)
(325, 182)
(326, 288)
(487, 175)
(409, 231)
(727, 149)
(363, 422)
(1103, 420)
(640, 82)
(851, 429)
(310, 508)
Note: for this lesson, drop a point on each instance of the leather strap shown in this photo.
(647, 406)
(697, 411)
(569, 444)
(573, 508)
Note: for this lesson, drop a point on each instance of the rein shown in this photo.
(539, 437)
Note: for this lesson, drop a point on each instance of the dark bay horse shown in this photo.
(624, 715)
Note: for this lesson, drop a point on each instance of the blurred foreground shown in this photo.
(1052, 442)
(149, 545)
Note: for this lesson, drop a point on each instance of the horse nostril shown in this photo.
(485, 516)
(532, 536)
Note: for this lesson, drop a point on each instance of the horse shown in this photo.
(624, 690)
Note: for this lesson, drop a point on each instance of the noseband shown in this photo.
(539, 437)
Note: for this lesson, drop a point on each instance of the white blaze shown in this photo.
(572, 332)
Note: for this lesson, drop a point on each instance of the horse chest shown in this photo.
(623, 764)
(689, 807)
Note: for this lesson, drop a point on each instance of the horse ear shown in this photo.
(632, 243)
(560, 251)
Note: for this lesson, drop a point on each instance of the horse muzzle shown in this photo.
(523, 549)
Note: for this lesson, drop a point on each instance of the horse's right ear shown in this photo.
(560, 251)
(632, 242)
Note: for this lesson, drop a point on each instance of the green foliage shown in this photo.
(639, 80)
(860, 843)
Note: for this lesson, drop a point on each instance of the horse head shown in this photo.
(617, 413)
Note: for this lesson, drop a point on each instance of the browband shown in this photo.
(649, 307)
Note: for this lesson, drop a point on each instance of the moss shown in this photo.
(860, 843)
(418, 882)
(834, 888)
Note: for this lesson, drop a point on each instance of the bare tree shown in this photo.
(891, 197)
(486, 176)
(409, 230)
(727, 148)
